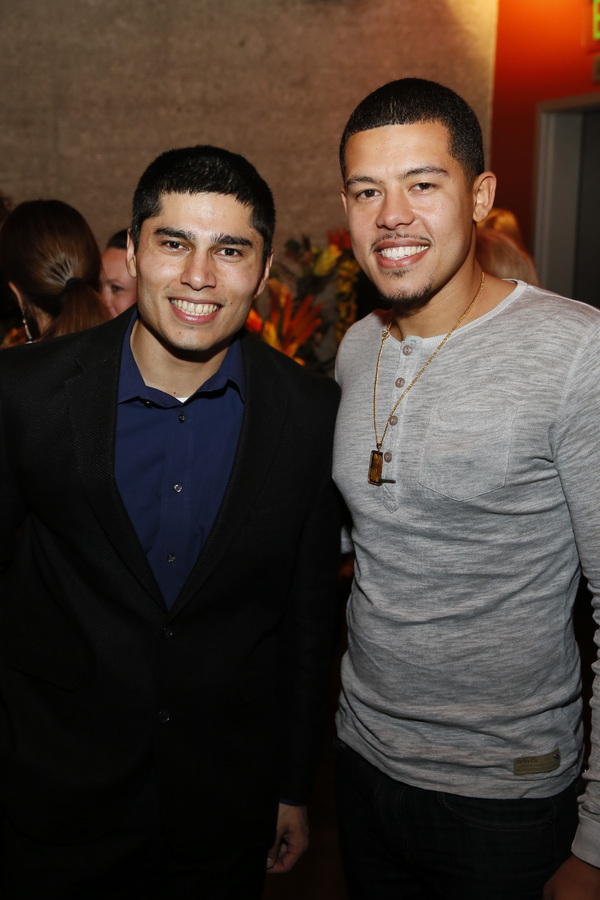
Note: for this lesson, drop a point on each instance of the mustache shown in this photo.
(395, 236)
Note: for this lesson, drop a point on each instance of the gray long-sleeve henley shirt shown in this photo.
(462, 672)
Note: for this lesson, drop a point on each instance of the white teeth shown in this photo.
(400, 252)
(197, 309)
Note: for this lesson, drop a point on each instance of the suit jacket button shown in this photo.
(168, 631)
(164, 715)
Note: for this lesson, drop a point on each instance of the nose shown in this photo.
(395, 210)
(105, 289)
(199, 271)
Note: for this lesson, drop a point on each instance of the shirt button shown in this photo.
(170, 558)
(399, 382)
(164, 715)
(394, 420)
(181, 417)
(147, 404)
(407, 349)
(387, 456)
(168, 631)
(177, 488)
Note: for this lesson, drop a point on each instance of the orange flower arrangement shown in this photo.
(286, 329)
(294, 320)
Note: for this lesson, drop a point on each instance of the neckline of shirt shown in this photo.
(499, 308)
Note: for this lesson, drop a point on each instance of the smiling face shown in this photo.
(410, 211)
(198, 266)
(118, 287)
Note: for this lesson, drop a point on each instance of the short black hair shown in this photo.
(118, 240)
(201, 170)
(410, 101)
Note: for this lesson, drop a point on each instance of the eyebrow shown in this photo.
(232, 239)
(227, 239)
(175, 233)
(409, 173)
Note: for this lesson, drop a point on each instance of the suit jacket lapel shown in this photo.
(92, 403)
(264, 415)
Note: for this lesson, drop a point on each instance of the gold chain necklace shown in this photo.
(376, 463)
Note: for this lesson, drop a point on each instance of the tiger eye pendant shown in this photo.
(376, 468)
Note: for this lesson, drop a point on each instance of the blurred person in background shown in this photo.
(505, 221)
(8, 314)
(52, 263)
(119, 288)
(499, 255)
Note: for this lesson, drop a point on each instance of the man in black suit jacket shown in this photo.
(160, 711)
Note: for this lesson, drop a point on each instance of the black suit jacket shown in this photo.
(99, 682)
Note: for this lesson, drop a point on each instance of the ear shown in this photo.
(484, 191)
(344, 201)
(130, 260)
(265, 275)
(17, 294)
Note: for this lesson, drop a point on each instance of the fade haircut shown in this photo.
(410, 101)
(201, 170)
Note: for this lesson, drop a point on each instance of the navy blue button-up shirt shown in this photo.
(173, 460)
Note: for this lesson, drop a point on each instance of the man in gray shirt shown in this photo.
(467, 452)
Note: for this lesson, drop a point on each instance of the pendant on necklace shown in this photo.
(376, 468)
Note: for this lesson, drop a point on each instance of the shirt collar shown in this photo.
(132, 386)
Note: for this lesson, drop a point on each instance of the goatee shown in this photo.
(405, 300)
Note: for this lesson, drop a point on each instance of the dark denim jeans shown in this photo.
(405, 843)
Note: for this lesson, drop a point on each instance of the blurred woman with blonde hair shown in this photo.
(499, 255)
(505, 221)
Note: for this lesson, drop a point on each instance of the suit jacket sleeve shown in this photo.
(307, 642)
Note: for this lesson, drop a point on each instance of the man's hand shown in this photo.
(291, 840)
(575, 880)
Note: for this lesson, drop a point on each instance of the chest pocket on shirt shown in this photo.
(466, 451)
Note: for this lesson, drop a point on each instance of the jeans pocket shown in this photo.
(500, 815)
